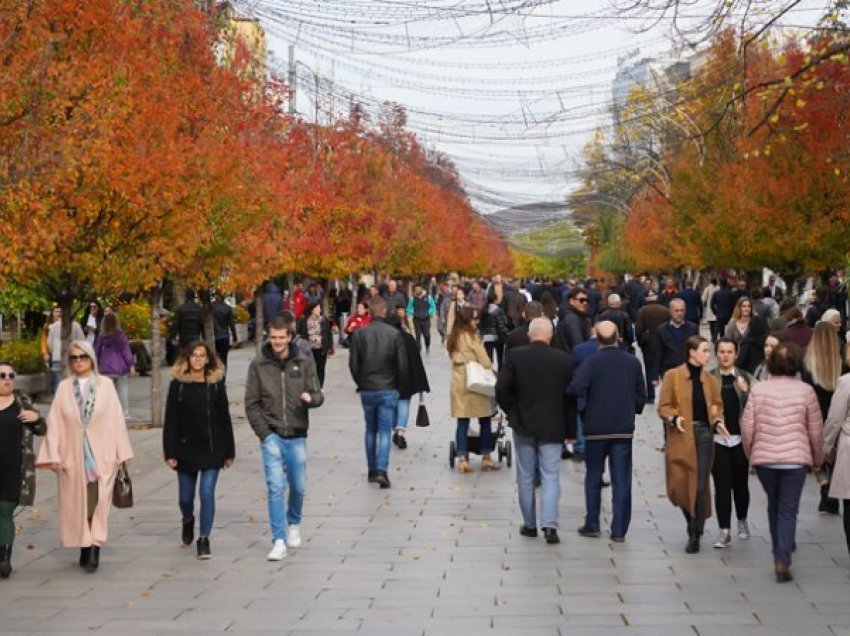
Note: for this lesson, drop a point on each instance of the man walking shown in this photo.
(420, 308)
(224, 327)
(611, 387)
(649, 318)
(532, 389)
(378, 363)
(670, 339)
(281, 386)
(574, 325)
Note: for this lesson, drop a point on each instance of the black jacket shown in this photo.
(573, 329)
(187, 323)
(611, 385)
(649, 318)
(623, 322)
(671, 348)
(273, 393)
(416, 380)
(532, 388)
(518, 337)
(722, 304)
(223, 322)
(494, 322)
(377, 358)
(751, 350)
(198, 432)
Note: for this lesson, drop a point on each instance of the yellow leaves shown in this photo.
(837, 171)
(788, 82)
(800, 103)
(801, 127)
(774, 118)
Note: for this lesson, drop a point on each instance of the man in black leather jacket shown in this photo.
(377, 361)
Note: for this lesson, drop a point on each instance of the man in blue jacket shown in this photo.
(611, 386)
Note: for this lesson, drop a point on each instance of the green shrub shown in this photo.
(24, 355)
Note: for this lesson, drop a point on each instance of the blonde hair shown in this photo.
(736, 313)
(823, 356)
(85, 347)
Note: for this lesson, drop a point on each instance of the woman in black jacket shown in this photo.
(316, 329)
(198, 436)
(415, 382)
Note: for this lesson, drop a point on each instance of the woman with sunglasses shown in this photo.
(198, 436)
(86, 443)
(19, 421)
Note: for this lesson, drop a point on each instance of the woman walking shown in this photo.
(86, 443)
(836, 446)
(730, 468)
(316, 329)
(360, 318)
(494, 328)
(114, 358)
(741, 317)
(822, 366)
(782, 434)
(198, 436)
(465, 346)
(761, 374)
(415, 382)
(692, 407)
(19, 421)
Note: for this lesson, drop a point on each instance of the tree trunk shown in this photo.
(259, 319)
(156, 358)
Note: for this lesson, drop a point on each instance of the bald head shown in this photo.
(606, 333)
(540, 330)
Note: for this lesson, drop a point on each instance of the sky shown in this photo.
(511, 90)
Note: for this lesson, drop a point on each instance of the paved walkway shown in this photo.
(438, 554)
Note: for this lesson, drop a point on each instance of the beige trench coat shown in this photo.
(836, 434)
(466, 403)
(63, 445)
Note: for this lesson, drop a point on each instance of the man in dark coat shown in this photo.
(693, 302)
(650, 317)
(187, 323)
(574, 326)
(722, 304)
(671, 339)
(610, 388)
(620, 318)
(519, 337)
(532, 390)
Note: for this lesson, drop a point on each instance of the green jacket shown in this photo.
(273, 393)
(39, 427)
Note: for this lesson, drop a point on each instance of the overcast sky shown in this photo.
(512, 99)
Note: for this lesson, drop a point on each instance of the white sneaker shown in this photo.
(278, 551)
(743, 529)
(723, 539)
(293, 536)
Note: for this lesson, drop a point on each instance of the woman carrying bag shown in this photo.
(415, 382)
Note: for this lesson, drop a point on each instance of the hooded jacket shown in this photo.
(198, 431)
(273, 393)
(113, 353)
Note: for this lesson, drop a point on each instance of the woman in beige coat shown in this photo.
(85, 444)
(464, 346)
(836, 445)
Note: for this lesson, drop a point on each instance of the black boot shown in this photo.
(693, 544)
(188, 530)
(382, 479)
(85, 555)
(5, 561)
(94, 559)
(204, 548)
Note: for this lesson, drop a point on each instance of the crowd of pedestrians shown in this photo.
(768, 391)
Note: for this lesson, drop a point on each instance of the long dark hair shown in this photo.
(464, 323)
(182, 362)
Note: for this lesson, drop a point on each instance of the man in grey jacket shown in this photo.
(280, 388)
(378, 364)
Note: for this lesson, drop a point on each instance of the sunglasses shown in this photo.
(79, 358)
(583, 301)
(8, 376)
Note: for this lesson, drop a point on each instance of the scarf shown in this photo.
(86, 407)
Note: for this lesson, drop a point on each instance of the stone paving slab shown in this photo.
(437, 554)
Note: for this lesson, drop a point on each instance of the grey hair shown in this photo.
(85, 347)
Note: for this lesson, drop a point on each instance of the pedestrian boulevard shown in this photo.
(438, 554)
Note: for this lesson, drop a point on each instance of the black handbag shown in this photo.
(422, 419)
(122, 491)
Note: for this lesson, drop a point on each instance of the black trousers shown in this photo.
(222, 347)
(704, 441)
(498, 348)
(847, 522)
(321, 358)
(423, 330)
(712, 329)
(731, 474)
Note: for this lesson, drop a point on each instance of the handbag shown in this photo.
(422, 419)
(122, 491)
(480, 380)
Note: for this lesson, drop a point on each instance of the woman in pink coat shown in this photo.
(85, 444)
(782, 433)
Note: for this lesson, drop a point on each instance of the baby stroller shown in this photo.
(504, 448)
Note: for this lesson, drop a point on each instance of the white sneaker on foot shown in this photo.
(278, 551)
(293, 536)
(743, 529)
(723, 539)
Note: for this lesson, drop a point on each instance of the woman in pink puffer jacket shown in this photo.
(782, 433)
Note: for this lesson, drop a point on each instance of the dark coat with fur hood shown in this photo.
(198, 432)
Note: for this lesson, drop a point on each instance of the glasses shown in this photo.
(80, 358)
(7, 376)
(583, 301)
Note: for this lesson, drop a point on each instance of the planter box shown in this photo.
(32, 385)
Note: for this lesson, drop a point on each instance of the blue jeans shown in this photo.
(619, 454)
(186, 482)
(487, 443)
(579, 445)
(783, 489)
(284, 463)
(532, 456)
(379, 409)
(402, 414)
